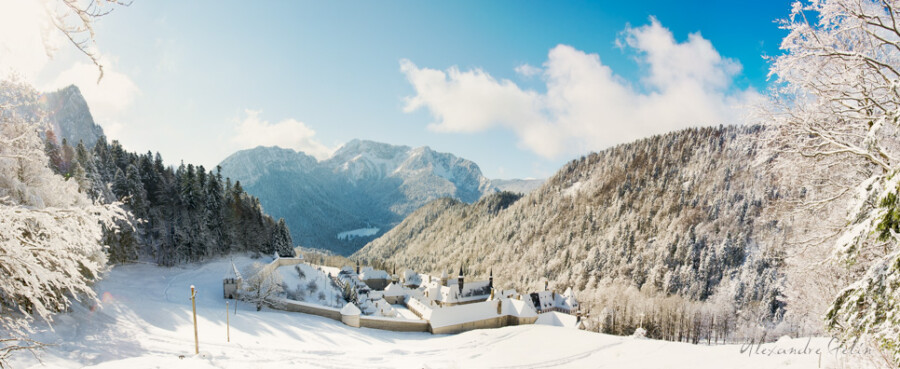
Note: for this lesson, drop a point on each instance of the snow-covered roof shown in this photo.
(510, 293)
(411, 277)
(394, 289)
(460, 314)
(369, 273)
(350, 309)
(557, 319)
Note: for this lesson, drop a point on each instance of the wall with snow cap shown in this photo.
(304, 307)
(393, 324)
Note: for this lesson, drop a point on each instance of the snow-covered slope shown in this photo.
(365, 184)
(145, 322)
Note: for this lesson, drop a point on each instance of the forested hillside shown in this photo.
(663, 225)
(179, 214)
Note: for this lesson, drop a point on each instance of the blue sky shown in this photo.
(197, 80)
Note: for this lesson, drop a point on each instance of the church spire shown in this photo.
(460, 279)
(491, 279)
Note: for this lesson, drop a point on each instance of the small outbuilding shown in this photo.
(350, 315)
(232, 282)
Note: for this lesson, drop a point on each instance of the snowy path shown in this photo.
(145, 322)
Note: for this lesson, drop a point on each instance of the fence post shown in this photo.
(194, 308)
(227, 322)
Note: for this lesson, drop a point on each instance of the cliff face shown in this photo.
(70, 118)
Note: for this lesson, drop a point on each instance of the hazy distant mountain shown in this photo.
(66, 112)
(360, 192)
(70, 117)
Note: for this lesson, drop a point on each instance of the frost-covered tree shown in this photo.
(75, 20)
(838, 102)
(50, 232)
(260, 284)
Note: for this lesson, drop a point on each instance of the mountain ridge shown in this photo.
(363, 185)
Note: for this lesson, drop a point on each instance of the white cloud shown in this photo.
(528, 70)
(586, 105)
(252, 131)
(109, 100)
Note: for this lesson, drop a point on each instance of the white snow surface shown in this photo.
(145, 322)
(361, 232)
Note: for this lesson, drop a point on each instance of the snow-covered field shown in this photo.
(145, 322)
(311, 286)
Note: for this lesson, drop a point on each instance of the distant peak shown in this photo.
(356, 146)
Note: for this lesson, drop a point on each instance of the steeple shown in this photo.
(460, 279)
(491, 279)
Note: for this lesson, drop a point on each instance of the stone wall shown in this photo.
(395, 300)
(306, 308)
(393, 324)
(496, 322)
(377, 284)
(280, 262)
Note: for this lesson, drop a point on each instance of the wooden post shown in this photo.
(227, 323)
(194, 307)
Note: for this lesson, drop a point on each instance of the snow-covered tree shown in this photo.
(260, 284)
(838, 102)
(50, 250)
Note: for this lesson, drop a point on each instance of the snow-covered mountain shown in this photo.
(336, 203)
